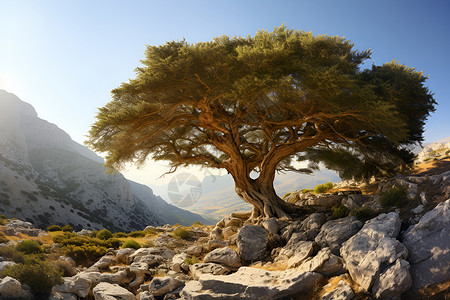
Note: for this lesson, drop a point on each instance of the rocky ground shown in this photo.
(353, 248)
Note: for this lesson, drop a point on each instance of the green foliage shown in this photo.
(181, 233)
(3, 239)
(29, 247)
(3, 220)
(395, 196)
(131, 244)
(54, 228)
(197, 223)
(113, 243)
(192, 260)
(148, 244)
(137, 234)
(40, 275)
(323, 188)
(120, 235)
(339, 211)
(304, 191)
(84, 249)
(285, 195)
(104, 234)
(67, 228)
(363, 213)
(10, 253)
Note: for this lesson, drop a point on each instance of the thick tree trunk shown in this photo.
(266, 203)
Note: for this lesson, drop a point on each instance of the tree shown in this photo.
(252, 105)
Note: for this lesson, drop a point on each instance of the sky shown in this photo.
(65, 56)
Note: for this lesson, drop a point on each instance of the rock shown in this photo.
(108, 291)
(150, 259)
(214, 244)
(428, 245)
(75, 285)
(343, 291)
(227, 232)
(162, 285)
(146, 295)
(123, 254)
(195, 250)
(93, 277)
(287, 231)
(325, 200)
(412, 188)
(84, 232)
(61, 296)
(177, 261)
(231, 221)
(271, 225)
(4, 264)
(252, 243)
(119, 277)
(216, 233)
(423, 198)
(335, 232)
(354, 201)
(393, 282)
(313, 221)
(325, 263)
(199, 269)
(160, 251)
(298, 247)
(225, 256)
(10, 288)
(418, 209)
(104, 262)
(251, 283)
(373, 248)
(139, 269)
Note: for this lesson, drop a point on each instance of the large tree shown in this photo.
(252, 105)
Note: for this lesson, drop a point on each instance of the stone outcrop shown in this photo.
(225, 256)
(252, 243)
(108, 291)
(335, 232)
(428, 245)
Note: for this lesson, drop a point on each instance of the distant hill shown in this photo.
(47, 178)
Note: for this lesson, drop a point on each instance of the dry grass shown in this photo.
(333, 283)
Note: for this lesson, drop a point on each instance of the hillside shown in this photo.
(47, 178)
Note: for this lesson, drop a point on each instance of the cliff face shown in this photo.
(47, 178)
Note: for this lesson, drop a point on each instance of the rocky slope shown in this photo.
(394, 250)
(47, 178)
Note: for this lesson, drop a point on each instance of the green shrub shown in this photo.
(67, 228)
(197, 223)
(104, 234)
(40, 275)
(285, 195)
(137, 234)
(339, 211)
(3, 239)
(131, 244)
(192, 260)
(395, 196)
(84, 254)
(148, 244)
(363, 213)
(3, 220)
(150, 231)
(113, 243)
(322, 188)
(29, 247)
(304, 191)
(120, 235)
(10, 253)
(181, 233)
(54, 228)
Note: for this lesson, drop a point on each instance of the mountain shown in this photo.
(219, 198)
(434, 150)
(47, 178)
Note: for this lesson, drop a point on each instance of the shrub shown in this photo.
(191, 260)
(137, 234)
(363, 213)
(148, 244)
(54, 228)
(40, 275)
(67, 228)
(113, 243)
(197, 223)
(304, 191)
(3, 239)
(285, 195)
(120, 235)
(3, 220)
(181, 233)
(322, 188)
(104, 234)
(339, 211)
(131, 244)
(11, 253)
(86, 253)
(395, 196)
(29, 247)
(66, 267)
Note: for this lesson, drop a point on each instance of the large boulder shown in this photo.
(108, 291)
(393, 282)
(160, 286)
(335, 232)
(373, 249)
(77, 285)
(225, 256)
(428, 245)
(252, 243)
(196, 270)
(10, 288)
(325, 263)
(296, 250)
(252, 283)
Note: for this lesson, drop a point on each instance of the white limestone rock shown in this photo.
(252, 243)
(108, 291)
(225, 256)
(335, 232)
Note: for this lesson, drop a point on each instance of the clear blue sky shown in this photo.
(64, 57)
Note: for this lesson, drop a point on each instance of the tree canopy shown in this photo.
(254, 104)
